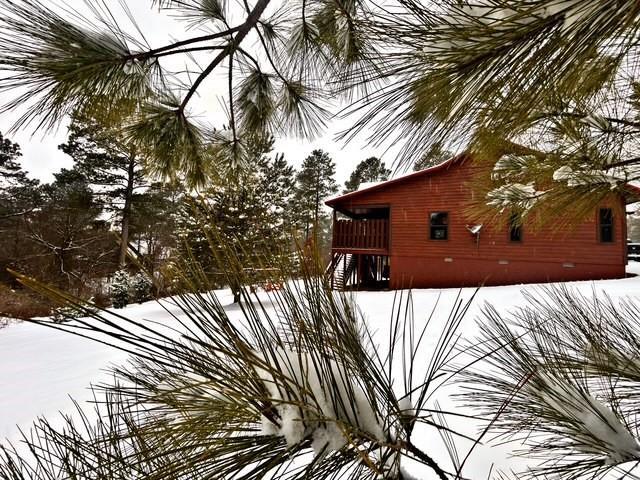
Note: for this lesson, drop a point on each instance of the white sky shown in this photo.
(41, 157)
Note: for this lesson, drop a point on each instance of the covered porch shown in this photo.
(360, 248)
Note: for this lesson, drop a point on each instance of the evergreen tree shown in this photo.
(119, 289)
(110, 164)
(246, 212)
(467, 75)
(314, 183)
(276, 184)
(19, 197)
(73, 244)
(103, 64)
(543, 91)
(17, 190)
(141, 286)
(10, 169)
(370, 170)
(434, 156)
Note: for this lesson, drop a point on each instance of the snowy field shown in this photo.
(42, 369)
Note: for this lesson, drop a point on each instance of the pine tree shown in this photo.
(314, 183)
(140, 286)
(542, 91)
(466, 76)
(104, 65)
(370, 170)
(17, 190)
(69, 233)
(434, 156)
(10, 169)
(19, 196)
(276, 185)
(119, 289)
(266, 393)
(110, 164)
(246, 212)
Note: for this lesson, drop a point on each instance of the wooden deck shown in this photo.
(361, 236)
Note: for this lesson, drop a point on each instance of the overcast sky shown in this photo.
(41, 156)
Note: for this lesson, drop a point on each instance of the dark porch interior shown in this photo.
(360, 248)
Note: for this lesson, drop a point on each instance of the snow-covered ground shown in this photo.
(41, 369)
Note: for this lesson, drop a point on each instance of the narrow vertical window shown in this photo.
(515, 227)
(439, 225)
(605, 225)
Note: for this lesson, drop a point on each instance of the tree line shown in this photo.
(106, 214)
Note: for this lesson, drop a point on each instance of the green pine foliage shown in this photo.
(113, 166)
(53, 231)
(543, 94)
(19, 196)
(314, 184)
(141, 287)
(119, 289)
(74, 244)
(371, 169)
(557, 378)
(246, 211)
(559, 77)
(10, 170)
(295, 388)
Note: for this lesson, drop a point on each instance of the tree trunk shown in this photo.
(126, 212)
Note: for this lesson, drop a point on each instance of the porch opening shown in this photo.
(348, 271)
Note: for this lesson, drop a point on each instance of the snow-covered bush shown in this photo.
(119, 289)
(66, 313)
(70, 312)
(141, 287)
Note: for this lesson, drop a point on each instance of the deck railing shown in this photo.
(370, 234)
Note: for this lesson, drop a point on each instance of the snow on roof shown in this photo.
(365, 185)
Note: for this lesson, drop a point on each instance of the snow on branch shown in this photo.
(593, 427)
(318, 399)
(514, 194)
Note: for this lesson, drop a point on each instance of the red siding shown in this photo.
(546, 254)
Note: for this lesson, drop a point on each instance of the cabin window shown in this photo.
(515, 227)
(439, 225)
(605, 225)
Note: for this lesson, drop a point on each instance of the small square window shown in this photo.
(439, 225)
(605, 225)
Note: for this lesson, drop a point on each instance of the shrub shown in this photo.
(119, 289)
(141, 288)
(22, 303)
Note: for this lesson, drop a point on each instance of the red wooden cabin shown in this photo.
(413, 232)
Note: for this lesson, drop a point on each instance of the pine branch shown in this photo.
(242, 32)
(426, 459)
(175, 47)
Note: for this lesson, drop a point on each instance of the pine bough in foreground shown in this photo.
(296, 389)
(301, 392)
(561, 382)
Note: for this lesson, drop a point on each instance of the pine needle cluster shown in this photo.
(294, 388)
(558, 378)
